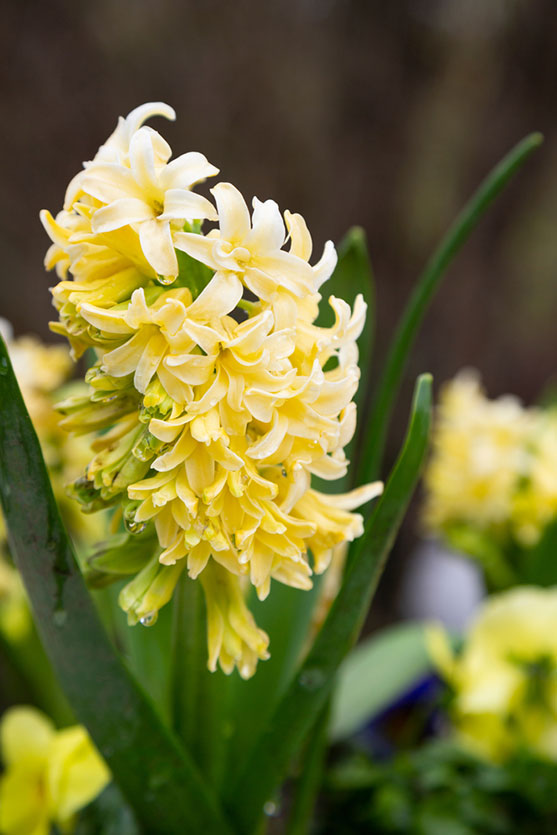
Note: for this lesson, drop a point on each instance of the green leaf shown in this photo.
(418, 304)
(306, 694)
(154, 773)
(377, 671)
(540, 562)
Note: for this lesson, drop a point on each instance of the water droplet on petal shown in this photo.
(150, 619)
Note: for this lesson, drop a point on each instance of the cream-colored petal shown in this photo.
(110, 321)
(268, 232)
(180, 204)
(156, 242)
(121, 213)
(109, 181)
(288, 271)
(271, 440)
(142, 161)
(187, 170)
(234, 219)
(358, 496)
(300, 238)
(198, 246)
(325, 267)
(218, 298)
(139, 115)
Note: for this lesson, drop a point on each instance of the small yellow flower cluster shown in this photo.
(218, 395)
(494, 465)
(40, 371)
(505, 677)
(49, 775)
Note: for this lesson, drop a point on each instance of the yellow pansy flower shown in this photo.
(217, 396)
(505, 677)
(49, 775)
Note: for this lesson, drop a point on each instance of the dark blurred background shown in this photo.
(382, 114)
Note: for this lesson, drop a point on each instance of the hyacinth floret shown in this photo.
(216, 394)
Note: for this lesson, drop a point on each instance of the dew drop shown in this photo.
(312, 679)
(270, 808)
(166, 279)
(134, 527)
(60, 617)
(149, 619)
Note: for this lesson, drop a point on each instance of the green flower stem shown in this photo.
(155, 774)
(307, 786)
(299, 707)
(184, 673)
(198, 697)
(369, 462)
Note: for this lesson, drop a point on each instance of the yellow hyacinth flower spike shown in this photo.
(217, 396)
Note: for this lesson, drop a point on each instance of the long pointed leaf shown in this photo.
(155, 774)
(416, 308)
(306, 694)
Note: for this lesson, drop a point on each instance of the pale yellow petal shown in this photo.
(234, 219)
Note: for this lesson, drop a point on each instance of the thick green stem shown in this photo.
(184, 673)
(369, 462)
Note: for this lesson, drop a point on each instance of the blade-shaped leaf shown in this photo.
(154, 773)
(377, 672)
(369, 462)
(307, 692)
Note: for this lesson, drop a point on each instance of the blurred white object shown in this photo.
(440, 585)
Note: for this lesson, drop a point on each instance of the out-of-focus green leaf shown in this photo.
(306, 694)
(369, 462)
(377, 671)
(154, 773)
(540, 562)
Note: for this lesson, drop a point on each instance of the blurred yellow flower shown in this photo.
(15, 617)
(479, 455)
(41, 370)
(49, 775)
(493, 467)
(505, 677)
(217, 395)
